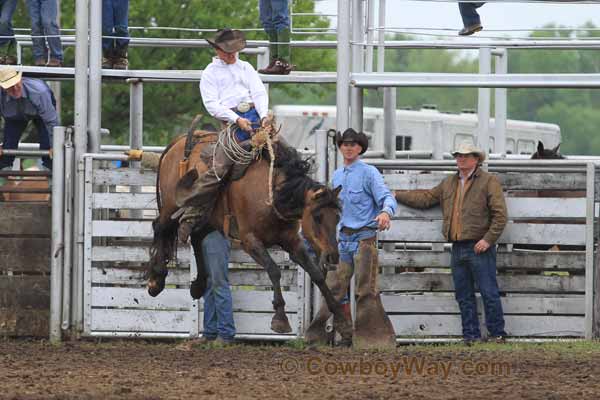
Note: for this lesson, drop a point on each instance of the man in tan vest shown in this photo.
(474, 213)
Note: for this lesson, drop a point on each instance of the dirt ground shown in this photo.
(186, 370)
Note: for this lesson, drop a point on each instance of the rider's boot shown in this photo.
(338, 282)
(373, 328)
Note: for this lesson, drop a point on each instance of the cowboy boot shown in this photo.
(283, 39)
(107, 58)
(120, 60)
(338, 282)
(272, 52)
(373, 328)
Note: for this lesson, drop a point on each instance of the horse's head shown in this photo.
(546, 154)
(319, 223)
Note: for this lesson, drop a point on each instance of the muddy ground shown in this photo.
(185, 370)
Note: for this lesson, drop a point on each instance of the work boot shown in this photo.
(373, 328)
(120, 60)
(54, 62)
(107, 58)
(40, 62)
(338, 282)
(268, 67)
(278, 67)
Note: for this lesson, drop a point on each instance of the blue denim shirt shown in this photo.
(37, 102)
(364, 195)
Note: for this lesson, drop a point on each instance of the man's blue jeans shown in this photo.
(7, 9)
(115, 22)
(43, 14)
(468, 12)
(252, 116)
(469, 269)
(14, 128)
(274, 15)
(218, 305)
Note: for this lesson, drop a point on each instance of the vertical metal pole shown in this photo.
(483, 106)
(136, 130)
(389, 123)
(68, 230)
(370, 35)
(589, 251)
(321, 155)
(356, 100)
(81, 124)
(95, 83)
(56, 256)
(343, 66)
(381, 37)
(500, 102)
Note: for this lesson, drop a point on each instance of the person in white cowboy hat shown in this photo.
(22, 100)
(474, 216)
(233, 93)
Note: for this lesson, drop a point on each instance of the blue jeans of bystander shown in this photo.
(274, 15)
(7, 9)
(115, 22)
(468, 13)
(469, 269)
(45, 29)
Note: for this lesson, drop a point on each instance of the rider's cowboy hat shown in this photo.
(228, 40)
(468, 148)
(9, 77)
(350, 135)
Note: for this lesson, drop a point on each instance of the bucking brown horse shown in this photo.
(297, 200)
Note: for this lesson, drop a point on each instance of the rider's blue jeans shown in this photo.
(218, 304)
(469, 269)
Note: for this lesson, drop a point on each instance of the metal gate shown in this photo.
(120, 204)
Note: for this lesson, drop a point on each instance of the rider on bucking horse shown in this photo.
(233, 93)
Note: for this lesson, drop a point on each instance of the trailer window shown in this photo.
(403, 142)
(510, 146)
(525, 146)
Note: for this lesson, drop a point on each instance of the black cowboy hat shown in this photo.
(350, 135)
(228, 40)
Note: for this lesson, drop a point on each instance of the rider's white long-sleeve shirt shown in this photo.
(224, 86)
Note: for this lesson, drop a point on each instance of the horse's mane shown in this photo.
(289, 195)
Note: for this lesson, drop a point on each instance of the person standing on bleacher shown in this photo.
(115, 23)
(275, 19)
(470, 17)
(22, 100)
(7, 35)
(45, 33)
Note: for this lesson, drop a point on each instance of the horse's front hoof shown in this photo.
(281, 325)
(155, 287)
(197, 288)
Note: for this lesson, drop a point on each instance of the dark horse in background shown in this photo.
(298, 199)
(547, 154)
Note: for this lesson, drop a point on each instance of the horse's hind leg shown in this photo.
(299, 254)
(259, 253)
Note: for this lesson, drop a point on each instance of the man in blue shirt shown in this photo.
(367, 206)
(23, 100)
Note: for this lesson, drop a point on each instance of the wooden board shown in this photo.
(25, 219)
(176, 321)
(431, 231)
(179, 299)
(135, 276)
(133, 201)
(442, 282)
(25, 254)
(518, 208)
(444, 303)
(527, 260)
(25, 292)
(124, 176)
(24, 322)
(516, 325)
(509, 180)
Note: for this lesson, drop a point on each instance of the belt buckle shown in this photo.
(243, 107)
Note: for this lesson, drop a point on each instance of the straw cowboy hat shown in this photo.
(228, 40)
(9, 77)
(350, 135)
(468, 148)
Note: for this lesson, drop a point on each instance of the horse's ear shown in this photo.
(337, 190)
(540, 147)
(319, 193)
(555, 150)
